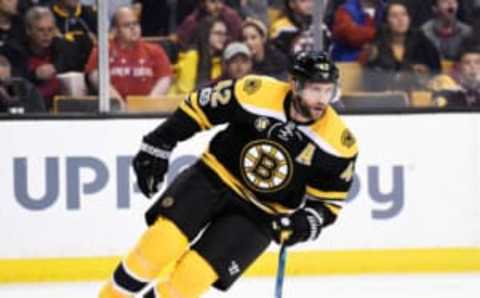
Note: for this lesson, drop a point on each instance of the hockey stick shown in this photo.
(282, 259)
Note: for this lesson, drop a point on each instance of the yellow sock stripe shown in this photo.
(435, 260)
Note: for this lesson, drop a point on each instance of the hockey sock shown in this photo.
(161, 244)
(191, 277)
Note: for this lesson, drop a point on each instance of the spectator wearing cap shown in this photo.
(267, 60)
(236, 61)
(136, 67)
(208, 9)
(445, 30)
(461, 88)
(202, 63)
(355, 24)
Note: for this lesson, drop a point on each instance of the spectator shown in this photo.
(136, 67)
(294, 29)
(354, 26)
(212, 8)
(236, 61)
(401, 58)
(445, 30)
(267, 60)
(462, 87)
(257, 9)
(201, 64)
(74, 19)
(17, 95)
(46, 55)
(12, 34)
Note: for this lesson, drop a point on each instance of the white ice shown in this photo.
(368, 286)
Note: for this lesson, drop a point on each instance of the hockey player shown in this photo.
(280, 170)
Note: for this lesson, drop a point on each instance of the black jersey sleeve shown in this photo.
(201, 110)
(327, 191)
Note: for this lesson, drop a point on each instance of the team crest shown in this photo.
(348, 140)
(251, 86)
(266, 166)
(262, 123)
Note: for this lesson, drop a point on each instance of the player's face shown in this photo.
(398, 19)
(314, 98)
(254, 40)
(470, 67)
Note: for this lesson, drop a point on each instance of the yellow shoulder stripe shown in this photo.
(332, 130)
(260, 93)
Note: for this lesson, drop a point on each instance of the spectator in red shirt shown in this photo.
(354, 26)
(214, 8)
(136, 67)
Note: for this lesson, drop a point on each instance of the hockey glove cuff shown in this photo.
(150, 165)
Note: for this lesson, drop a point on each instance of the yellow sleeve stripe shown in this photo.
(191, 113)
(326, 194)
(191, 108)
(199, 112)
(334, 208)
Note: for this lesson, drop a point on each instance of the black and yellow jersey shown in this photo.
(267, 158)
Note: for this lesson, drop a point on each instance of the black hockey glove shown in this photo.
(305, 224)
(150, 165)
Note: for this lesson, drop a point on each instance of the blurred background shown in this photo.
(82, 81)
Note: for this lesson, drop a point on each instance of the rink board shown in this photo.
(69, 206)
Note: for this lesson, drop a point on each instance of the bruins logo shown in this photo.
(348, 140)
(251, 86)
(266, 166)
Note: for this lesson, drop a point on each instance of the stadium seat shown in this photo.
(447, 66)
(81, 104)
(142, 104)
(350, 76)
(421, 99)
(375, 100)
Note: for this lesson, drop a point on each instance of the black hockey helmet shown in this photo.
(314, 66)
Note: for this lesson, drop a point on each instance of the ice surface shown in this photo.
(368, 286)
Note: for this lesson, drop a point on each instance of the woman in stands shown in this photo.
(202, 63)
(267, 60)
(400, 58)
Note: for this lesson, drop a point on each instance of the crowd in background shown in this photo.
(48, 48)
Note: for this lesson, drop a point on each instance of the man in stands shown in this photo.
(136, 67)
(46, 54)
(237, 61)
(445, 30)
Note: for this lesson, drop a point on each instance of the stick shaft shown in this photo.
(282, 258)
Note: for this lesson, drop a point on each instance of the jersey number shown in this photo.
(220, 94)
